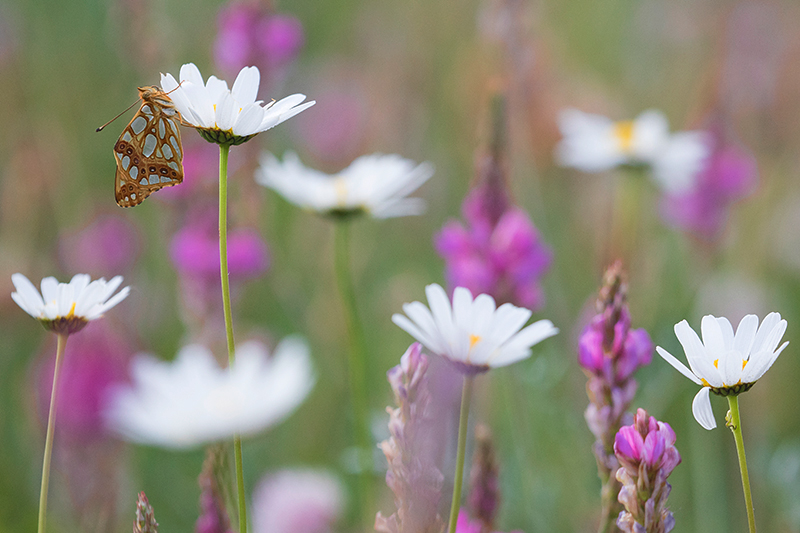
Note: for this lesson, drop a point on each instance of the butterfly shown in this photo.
(149, 153)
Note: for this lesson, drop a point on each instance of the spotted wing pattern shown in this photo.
(149, 153)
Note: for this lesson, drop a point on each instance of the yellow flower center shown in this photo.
(473, 340)
(71, 311)
(340, 187)
(623, 134)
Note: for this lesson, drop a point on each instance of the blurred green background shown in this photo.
(419, 76)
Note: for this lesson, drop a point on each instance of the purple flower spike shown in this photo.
(213, 515)
(500, 251)
(280, 38)
(413, 475)
(484, 494)
(609, 352)
(729, 175)
(465, 525)
(107, 246)
(195, 251)
(249, 34)
(646, 450)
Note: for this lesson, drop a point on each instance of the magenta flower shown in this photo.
(647, 455)
(95, 360)
(107, 246)
(213, 514)
(200, 167)
(297, 501)
(249, 34)
(195, 251)
(729, 175)
(503, 257)
(613, 350)
(609, 352)
(465, 525)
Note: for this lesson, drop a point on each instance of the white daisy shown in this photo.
(67, 307)
(594, 143)
(376, 184)
(471, 332)
(228, 116)
(726, 363)
(192, 400)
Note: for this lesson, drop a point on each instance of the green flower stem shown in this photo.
(466, 394)
(51, 426)
(735, 424)
(357, 364)
(224, 149)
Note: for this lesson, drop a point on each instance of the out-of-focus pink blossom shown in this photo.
(483, 499)
(200, 167)
(279, 37)
(499, 252)
(249, 34)
(213, 514)
(504, 258)
(647, 455)
(730, 174)
(336, 131)
(195, 251)
(108, 246)
(465, 525)
(297, 501)
(94, 360)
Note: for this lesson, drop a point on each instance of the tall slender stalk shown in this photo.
(466, 394)
(735, 424)
(51, 426)
(224, 149)
(356, 365)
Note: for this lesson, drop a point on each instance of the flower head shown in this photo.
(94, 362)
(500, 251)
(413, 474)
(297, 501)
(145, 521)
(252, 35)
(192, 400)
(594, 143)
(647, 454)
(726, 362)
(67, 307)
(474, 334)
(108, 244)
(228, 116)
(729, 175)
(195, 250)
(376, 184)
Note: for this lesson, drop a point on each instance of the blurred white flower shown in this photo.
(376, 184)
(594, 143)
(67, 307)
(297, 501)
(472, 333)
(726, 363)
(227, 116)
(192, 400)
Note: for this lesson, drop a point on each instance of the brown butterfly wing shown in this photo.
(149, 153)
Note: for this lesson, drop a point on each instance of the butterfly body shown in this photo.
(149, 153)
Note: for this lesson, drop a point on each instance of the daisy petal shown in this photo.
(245, 88)
(701, 409)
(680, 367)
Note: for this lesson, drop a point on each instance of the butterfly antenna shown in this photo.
(115, 118)
(175, 89)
